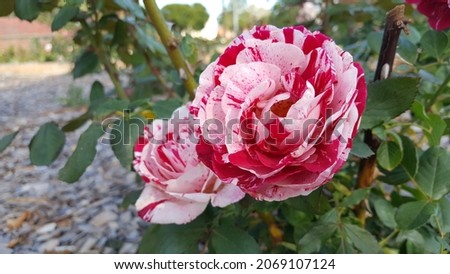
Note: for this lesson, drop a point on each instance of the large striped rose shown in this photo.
(178, 186)
(278, 111)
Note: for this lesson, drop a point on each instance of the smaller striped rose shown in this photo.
(178, 187)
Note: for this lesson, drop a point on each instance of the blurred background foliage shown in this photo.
(406, 209)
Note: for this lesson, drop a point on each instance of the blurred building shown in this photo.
(20, 34)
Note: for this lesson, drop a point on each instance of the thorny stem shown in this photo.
(395, 23)
(171, 46)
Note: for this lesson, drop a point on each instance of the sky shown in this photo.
(214, 9)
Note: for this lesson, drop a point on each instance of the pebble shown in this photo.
(5, 250)
(46, 228)
(48, 246)
(88, 245)
(128, 248)
(84, 217)
(103, 218)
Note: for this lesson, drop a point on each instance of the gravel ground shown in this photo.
(39, 213)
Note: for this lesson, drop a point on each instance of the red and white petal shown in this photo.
(157, 206)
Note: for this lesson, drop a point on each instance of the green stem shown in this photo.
(438, 92)
(109, 67)
(157, 74)
(113, 74)
(385, 241)
(441, 233)
(171, 46)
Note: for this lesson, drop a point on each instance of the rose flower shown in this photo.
(278, 111)
(178, 186)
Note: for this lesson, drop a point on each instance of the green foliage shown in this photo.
(7, 7)
(64, 15)
(123, 135)
(434, 43)
(186, 17)
(433, 174)
(387, 99)
(361, 149)
(389, 155)
(27, 9)
(46, 144)
(86, 63)
(164, 109)
(170, 239)
(83, 155)
(6, 140)
(413, 215)
(229, 239)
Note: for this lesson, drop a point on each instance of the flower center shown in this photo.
(281, 108)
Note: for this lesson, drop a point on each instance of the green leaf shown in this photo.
(431, 243)
(121, 34)
(7, 7)
(74, 2)
(436, 129)
(433, 176)
(97, 96)
(27, 9)
(46, 144)
(407, 50)
(312, 241)
(434, 126)
(172, 239)
(410, 161)
(86, 63)
(361, 149)
(146, 40)
(385, 212)
(294, 217)
(83, 155)
(130, 199)
(164, 109)
(389, 155)
(407, 169)
(109, 107)
(356, 197)
(6, 140)
(64, 15)
(362, 239)
(434, 43)
(444, 214)
(374, 41)
(397, 176)
(133, 7)
(412, 215)
(315, 203)
(415, 241)
(77, 122)
(189, 49)
(387, 99)
(227, 239)
(97, 92)
(123, 138)
(345, 247)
